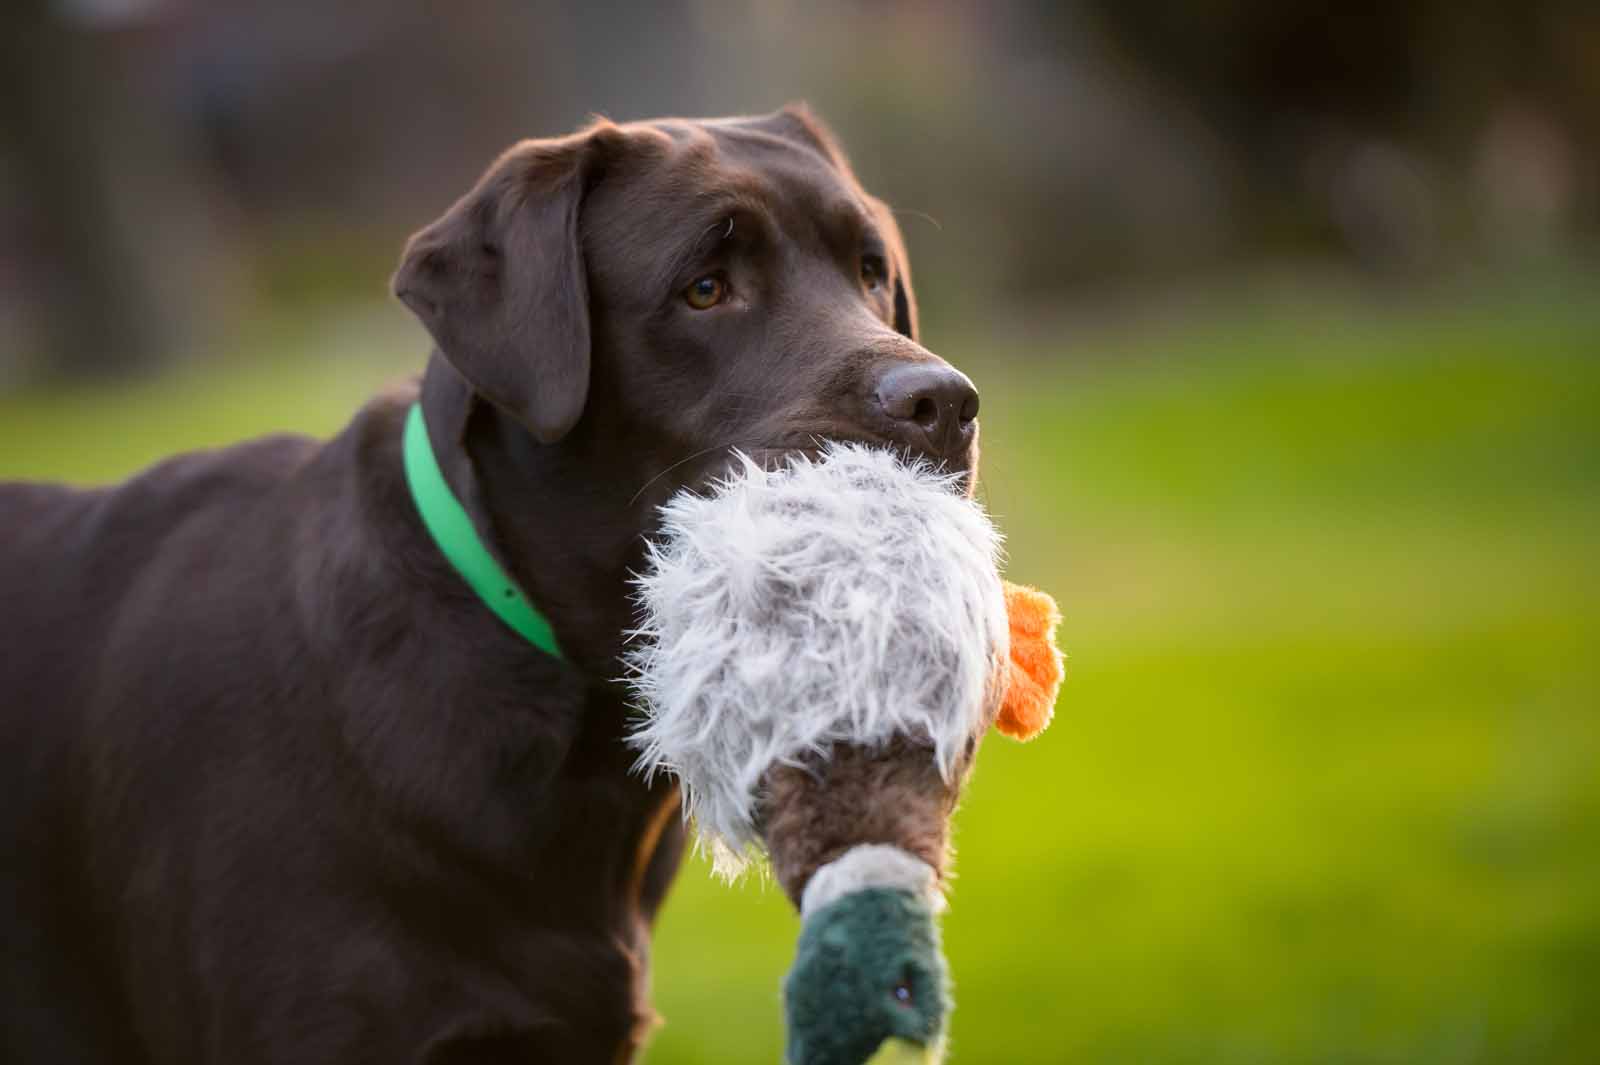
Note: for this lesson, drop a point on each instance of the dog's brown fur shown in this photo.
(280, 789)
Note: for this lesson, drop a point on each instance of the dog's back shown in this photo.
(279, 792)
(90, 579)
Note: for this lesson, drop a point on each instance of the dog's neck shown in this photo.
(556, 516)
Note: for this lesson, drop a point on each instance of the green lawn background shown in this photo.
(1324, 780)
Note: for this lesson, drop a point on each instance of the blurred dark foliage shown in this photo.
(167, 167)
(1338, 116)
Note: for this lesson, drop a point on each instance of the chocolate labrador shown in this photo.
(280, 785)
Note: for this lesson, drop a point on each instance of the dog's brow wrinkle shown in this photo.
(708, 230)
(685, 255)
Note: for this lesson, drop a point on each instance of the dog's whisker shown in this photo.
(688, 458)
(1001, 487)
(924, 215)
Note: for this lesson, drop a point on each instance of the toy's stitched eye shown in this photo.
(873, 272)
(706, 292)
(902, 989)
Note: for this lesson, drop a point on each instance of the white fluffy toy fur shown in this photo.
(870, 865)
(844, 599)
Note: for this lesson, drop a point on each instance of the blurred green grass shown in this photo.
(1324, 782)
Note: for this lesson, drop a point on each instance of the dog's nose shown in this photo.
(931, 405)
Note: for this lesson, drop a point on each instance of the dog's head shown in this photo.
(647, 298)
(684, 288)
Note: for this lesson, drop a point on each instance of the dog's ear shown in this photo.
(798, 122)
(905, 299)
(499, 282)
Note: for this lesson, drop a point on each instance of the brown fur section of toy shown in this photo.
(812, 814)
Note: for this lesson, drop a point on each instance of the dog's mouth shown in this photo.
(701, 472)
(813, 446)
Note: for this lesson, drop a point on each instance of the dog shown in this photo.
(281, 787)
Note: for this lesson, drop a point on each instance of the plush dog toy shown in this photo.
(822, 647)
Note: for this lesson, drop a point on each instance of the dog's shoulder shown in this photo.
(194, 538)
(52, 519)
(101, 532)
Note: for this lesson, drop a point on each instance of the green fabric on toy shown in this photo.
(868, 976)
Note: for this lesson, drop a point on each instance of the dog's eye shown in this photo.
(873, 272)
(706, 292)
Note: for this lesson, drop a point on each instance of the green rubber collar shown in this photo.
(447, 522)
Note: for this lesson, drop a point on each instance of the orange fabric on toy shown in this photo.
(1035, 667)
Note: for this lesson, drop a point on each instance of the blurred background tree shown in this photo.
(169, 166)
